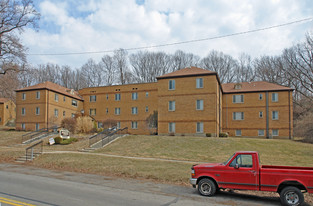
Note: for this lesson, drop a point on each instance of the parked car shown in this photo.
(242, 171)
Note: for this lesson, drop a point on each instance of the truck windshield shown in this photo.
(225, 163)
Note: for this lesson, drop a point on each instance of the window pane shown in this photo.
(199, 83)
(200, 127)
(171, 84)
(261, 132)
(238, 132)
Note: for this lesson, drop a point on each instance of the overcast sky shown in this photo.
(71, 26)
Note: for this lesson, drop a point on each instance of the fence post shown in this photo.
(32, 153)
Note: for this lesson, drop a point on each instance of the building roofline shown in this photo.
(256, 91)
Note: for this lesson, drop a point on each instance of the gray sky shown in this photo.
(72, 26)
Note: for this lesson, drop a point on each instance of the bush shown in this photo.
(68, 141)
(84, 124)
(57, 140)
(69, 124)
(223, 134)
(208, 134)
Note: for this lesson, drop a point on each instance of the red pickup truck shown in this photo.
(242, 171)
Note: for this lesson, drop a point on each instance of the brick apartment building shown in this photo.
(7, 111)
(190, 101)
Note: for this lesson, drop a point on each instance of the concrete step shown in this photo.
(89, 149)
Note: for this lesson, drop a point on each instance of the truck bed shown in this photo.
(286, 167)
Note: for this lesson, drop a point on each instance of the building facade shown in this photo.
(190, 101)
(7, 111)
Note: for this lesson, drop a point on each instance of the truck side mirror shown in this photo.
(236, 166)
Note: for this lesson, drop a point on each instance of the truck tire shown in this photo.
(206, 187)
(291, 196)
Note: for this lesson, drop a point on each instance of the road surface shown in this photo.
(28, 186)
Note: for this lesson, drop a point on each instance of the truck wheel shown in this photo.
(206, 187)
(291, 196)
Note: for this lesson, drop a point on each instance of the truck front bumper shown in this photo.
(193, 181)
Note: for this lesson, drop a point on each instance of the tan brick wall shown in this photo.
(251, 108)
(185, 95)
(47, 104)
(105, 99)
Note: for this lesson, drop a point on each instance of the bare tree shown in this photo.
(244, 71)
(92, 73)
(15, 15)
(221, 63)
(182, 60)
(121, 64)
(109, 69)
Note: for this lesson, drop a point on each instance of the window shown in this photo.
(117, 97)
(238, 132)
(275, 115)
(171, 127)
(73, 115)
(171, 106)
(0, 119)
(274, 97)
(260, 114)
(56, 97)
(147, 94)
(100, 125)
(171, 84)
(117, 111)
(37, 126)
(199, 127)
(260, 96)
(199, 83)
(238, 116)
(134, 96)
(261, 132)
(118, 125)
(107, 110)
(7, 106)
(56, 112)
(242, 160)
(23, 111)
(199, 105)
(23, 96)
(74, 103)
(92, 112)
(64, 98)
(23, 126)
(275, 132)
(107, 96)
(63, 113)
(37, 95)
(134, 125)
(92, 98)
(147, 109)
(134, 110)
(238, 98)
(37, 110)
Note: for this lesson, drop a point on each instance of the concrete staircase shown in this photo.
(22, 159)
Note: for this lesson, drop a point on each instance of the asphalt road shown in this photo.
(32, 186)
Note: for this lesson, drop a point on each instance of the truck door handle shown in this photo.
(253, 172)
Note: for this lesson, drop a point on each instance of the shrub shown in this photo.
(69, 124)
(68, 141)
(84, 124)
(57, 140)
(208, 134)
(223, 134)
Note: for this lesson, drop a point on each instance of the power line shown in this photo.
(176, 43)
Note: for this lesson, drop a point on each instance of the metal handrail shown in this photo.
(32, 150)
(37, 133)
(111, 134)
(97, 137)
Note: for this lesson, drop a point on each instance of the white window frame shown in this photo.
(275, 97)
(171, 127)
(23, 96)
(37, 126)
(147, 94)
(261, 132)
(237, 131)
(276, 131)
(147, 109)
(38, 95)
(56, 112)
(23, 112)
(134, 110)
(134, 95)
(171, 84)
(134, 125)
(275, 115)
(199, 104)
(171, 106)
(118, 97)
(118, 125)
(117, 111)
(37, 111)
(74, 103)
(199, 128)
(23, 126)
(92, 98)
(238, 98)
(199, 83)
(238, 115)
(56, 97)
